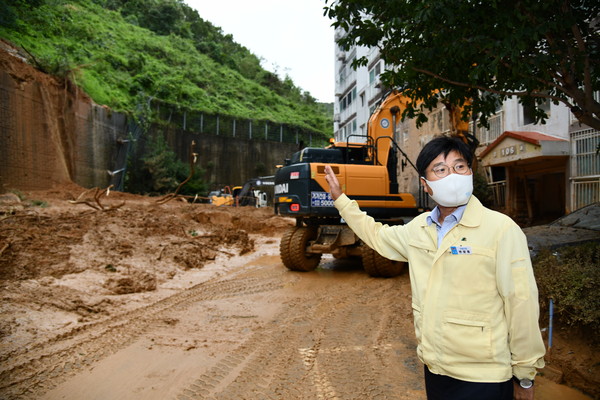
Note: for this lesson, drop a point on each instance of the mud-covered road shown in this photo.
(257, 332)
(191, 302)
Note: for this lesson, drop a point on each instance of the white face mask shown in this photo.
(452, 191)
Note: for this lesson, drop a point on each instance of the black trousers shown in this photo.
(440, 387)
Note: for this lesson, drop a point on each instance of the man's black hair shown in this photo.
(439, 145)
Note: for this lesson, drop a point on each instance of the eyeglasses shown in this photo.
(443, 170)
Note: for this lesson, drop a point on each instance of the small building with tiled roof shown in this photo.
(532, 170)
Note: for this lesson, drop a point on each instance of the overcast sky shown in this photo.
(292, 36)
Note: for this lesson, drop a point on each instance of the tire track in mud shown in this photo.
(43, 366)
(321, 346)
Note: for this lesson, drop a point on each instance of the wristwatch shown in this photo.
(525, 383)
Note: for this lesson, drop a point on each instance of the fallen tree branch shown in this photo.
(81, 199)
(161, 252)
(4, 248)
(193, 158)
(202, 245)
(96, 205)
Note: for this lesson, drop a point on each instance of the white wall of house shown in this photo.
(557, 124)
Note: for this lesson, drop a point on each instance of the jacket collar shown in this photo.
(473, 213)
(471, 217)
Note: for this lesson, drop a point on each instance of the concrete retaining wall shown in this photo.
(51, 133)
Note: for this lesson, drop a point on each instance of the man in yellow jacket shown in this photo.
(474, 296)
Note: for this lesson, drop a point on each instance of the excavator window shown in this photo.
(357, 155)
(311, 154)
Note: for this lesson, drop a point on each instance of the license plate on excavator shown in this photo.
(320, 199)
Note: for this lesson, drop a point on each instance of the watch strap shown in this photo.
(525, 383)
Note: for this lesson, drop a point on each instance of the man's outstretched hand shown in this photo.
(334, 184)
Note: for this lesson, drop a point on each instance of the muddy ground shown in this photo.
(119, 297)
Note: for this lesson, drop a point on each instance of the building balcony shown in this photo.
(488, 135)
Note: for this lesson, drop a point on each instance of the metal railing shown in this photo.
(350, 110)
(498, 192)
(584, 192)
(496, 128)
(585, 161)
(585, 167)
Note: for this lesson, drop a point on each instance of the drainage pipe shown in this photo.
(551, 315)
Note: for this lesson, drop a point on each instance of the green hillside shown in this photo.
(124, 52)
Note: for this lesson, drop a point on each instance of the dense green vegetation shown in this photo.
(570, 276)
(160, 171)
(123, 52)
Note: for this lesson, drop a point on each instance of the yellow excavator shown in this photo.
(367, 171)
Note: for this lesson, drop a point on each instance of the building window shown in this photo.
(372, 110)
(528, 114)
(374, 73)
(529, 111)
(348, 99)
(349, 129)
(342, 75)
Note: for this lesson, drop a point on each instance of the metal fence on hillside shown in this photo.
(198, 122)
(223, 125)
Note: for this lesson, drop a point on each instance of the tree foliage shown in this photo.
(482, 51)
(159, 171)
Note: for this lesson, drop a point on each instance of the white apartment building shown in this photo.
(357, 91)
(537, 172)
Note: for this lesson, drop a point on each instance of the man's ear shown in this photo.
(426, 186)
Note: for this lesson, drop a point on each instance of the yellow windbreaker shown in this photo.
(474, 299)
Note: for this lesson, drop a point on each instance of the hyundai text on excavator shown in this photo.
(368, 174)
